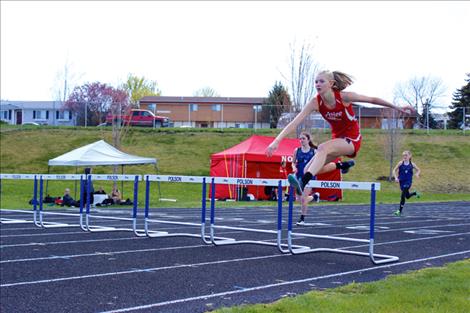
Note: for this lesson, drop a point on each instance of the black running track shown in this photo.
(65, 269)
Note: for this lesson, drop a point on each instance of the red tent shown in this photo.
(248, 159)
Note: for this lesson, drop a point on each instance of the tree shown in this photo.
(422, 93)
(206, 92)
(92, 101)
(426, 118)
(138, 87)
(391, 140)
(461, 99)
(303, 70)
(277, 103)
(64, 82)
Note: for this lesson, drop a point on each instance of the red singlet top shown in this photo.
(342, 120)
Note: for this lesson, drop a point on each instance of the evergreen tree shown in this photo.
(277, 103)
(461, 99)
(423, 118)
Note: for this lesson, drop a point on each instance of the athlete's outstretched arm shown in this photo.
(354, 97)
(312, 105)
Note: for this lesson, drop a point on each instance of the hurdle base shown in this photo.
(383, 257)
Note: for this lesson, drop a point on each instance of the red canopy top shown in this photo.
(254, 149)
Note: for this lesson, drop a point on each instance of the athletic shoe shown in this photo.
(397, 213)
(294, 182)
(300, 223)
(418, 195)
(316, 197)
(344, 166)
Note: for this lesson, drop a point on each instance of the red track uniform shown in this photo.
(343, 122)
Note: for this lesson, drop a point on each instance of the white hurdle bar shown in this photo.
(103, 177)
(282, 247)
(38, 212)
(372, 187)
(176, 179)
(84, 217)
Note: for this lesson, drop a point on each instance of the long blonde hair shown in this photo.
(342, 80)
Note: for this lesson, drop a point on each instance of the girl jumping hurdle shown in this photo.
(335, 107)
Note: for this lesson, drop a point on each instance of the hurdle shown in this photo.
(282, 247)
(34, 201)
(38, 205)
(375, 258)
(176, 179)
(87, 226)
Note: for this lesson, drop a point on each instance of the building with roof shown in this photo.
(227, 112)
(40, 112)
(213, 112)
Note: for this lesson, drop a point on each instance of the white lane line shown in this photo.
(70, 256)
(170, 267)
(198, 246)
(139, 270)
(67, 242)
(226, 293)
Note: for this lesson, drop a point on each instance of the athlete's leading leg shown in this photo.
(326, 152)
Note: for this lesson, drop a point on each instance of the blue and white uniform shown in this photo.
(302, 159)
(405, 175)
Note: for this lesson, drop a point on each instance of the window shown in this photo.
(63, 115)
(193, 107)
(4, 115)
(216, 107)
(257, 108)
(135, 113)
(40, 115)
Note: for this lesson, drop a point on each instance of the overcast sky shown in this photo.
(238, 48)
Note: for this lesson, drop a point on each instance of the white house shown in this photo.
(41, 112)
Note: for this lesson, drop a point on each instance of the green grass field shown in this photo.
(442, 157)
(431, 290)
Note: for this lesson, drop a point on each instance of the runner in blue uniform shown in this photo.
(403, 174)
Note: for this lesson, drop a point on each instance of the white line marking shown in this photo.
(208, 246)
(225, 293)
(138, 270)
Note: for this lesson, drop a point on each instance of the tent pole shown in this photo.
(75, 187)
(47, 181)
(158, 183)
(122, 182)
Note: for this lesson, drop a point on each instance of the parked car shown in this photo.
(139, 117)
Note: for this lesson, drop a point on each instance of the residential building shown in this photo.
(222, 112)
(40, 112)
(213, 112)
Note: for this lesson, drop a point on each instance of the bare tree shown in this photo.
(391, 140)
(64, 82)
(420, 91)
(206, 92)
(301, 78)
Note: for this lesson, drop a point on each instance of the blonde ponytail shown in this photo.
(342, 80)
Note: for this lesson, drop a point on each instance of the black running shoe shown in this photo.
(316, 197)
(344, 166)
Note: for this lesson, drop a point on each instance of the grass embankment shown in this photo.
(442, 157)
(445, 289)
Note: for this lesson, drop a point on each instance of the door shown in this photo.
(19, 117)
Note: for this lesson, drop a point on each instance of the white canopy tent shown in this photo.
(99, 153)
